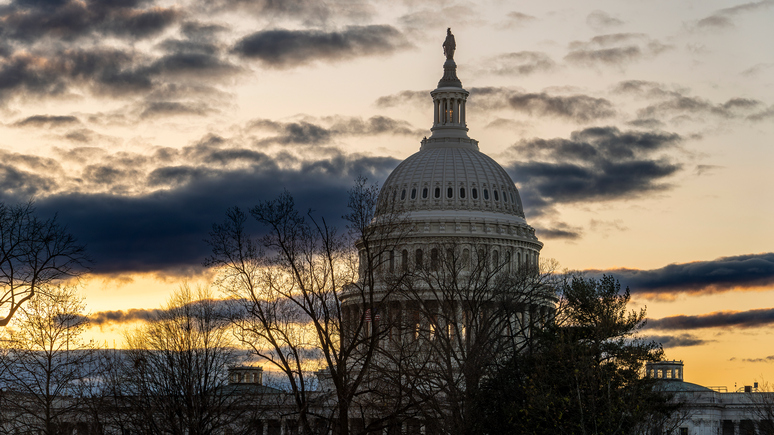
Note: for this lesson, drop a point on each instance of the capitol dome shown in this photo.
(453, 176)
(454, 193)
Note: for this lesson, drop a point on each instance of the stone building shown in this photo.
(714, 410)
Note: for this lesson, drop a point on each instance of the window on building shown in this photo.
(424, 193)
(437, 192)
(418, 258)
(404, 260)
(414, 193)
(392, 261)
(486, 194)
(434, 259)
(466, 259)
(496, 196)
(449, 192)
(462, 192)
(474, 192)
(403, 194)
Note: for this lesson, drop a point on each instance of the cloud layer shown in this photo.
(752, 271)
(594, 164)
(720, 319)
(282, 48)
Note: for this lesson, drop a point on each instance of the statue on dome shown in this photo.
(449, 45)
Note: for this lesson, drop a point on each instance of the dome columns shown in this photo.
(449, 113)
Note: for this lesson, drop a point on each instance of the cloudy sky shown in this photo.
(639, 134)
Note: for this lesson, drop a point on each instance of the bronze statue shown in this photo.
(449, 45)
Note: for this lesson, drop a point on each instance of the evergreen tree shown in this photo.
(582, 374)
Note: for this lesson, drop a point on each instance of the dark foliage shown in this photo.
(582, 374)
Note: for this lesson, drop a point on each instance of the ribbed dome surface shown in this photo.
(452, 178)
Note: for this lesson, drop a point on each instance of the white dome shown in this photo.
(452, 175)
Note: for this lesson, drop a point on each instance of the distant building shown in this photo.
(714, 410)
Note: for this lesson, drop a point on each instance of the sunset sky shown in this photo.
(639, 134)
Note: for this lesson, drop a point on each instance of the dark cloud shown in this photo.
(415, 98)
(675, 104)
(73, 19)
(27, 175)
(113, 72)
(647, 123)
(21, 183)
(767, 359)
(103, 70)
(47, 121)
(598, 163)
(615, 49)
(521, 63)
(155, 109)
(559, 231)
(680, 105)
(601, 20)
(719, 319)
(312, 133)
(682, 340)
(311, 13)
(123, 316)
(164, 230)
(579, 108)
(722, 274)
(706, 169)
(282, 48)
(724, 17)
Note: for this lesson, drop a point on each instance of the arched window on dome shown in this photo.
(437, 192)
(449, 192)
(518, 260)
(403, 195)
(496, 196)
(424, 193)
(392, 261)
(474, 192)
(404, 260)
(466, 259)
(505, 196)
(414, 193)
(495, 260)
(486, 194)
(462, 192)
(508, 262)
(434, 259)
(418, 258)
(394, 194)
(482, 262)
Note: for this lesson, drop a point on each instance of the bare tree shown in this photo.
(46, 365)
(467, 312)
(173, 377)
(292, 284)
(34, 253)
